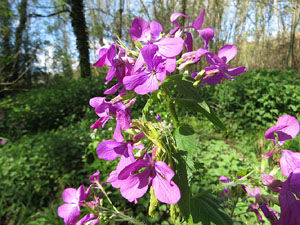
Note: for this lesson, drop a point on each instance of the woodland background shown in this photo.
(46, 80)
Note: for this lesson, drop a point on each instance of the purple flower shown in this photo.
(287, 127)
(94, 177)
(70, 211)
(289, 161)
(218, 70)
(289, 200)
(147, 79)
(120, 64)
(260, 204)
(105, 109)
(3, 141)
(226, 192)
(134, 183)
(150, 34)
(158, 117)
(196, 24)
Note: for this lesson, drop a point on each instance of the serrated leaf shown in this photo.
(181, 180)
(186, 139)
(194, 106)
(206, 209)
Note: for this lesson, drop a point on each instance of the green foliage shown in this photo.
(35, 168)
(207, 209)
(256, 98)
(48, 107)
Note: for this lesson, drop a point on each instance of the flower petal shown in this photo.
(135, 186)
(139, 30)
(227, 52)
(199, 21)
(110, 149)
(289, 161)
(70, 195)
(236, 71)
(207, 34)
(174, 17)
(156, 30)
(165, 191)
(170, 47)
(70, 213)
(148, 53)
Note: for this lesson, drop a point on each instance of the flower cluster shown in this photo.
(139, 73)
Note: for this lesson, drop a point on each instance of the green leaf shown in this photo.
(182, 181)
(186, 139)
(194, 106)
(206, 209)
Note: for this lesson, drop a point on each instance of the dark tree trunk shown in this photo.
(80, 31)
(19, 37)
(5, 28)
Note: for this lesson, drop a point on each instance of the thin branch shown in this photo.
(49, 15)
(147, 13)
(19, 77)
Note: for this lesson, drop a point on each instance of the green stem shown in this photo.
(171, 106)
(104, 192)
(121, 215)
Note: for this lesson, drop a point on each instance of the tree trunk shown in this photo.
(19, 37)
(80, 31)
(290, 57)
(120, 18)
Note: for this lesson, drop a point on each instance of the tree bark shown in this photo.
(80, 31)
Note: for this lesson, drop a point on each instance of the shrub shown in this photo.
(257, 98)
(36, 167)
(48, 107)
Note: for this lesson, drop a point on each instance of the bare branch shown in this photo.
(19, 77)
(49, 15)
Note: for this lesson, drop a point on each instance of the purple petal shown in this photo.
(170, 47)
(70, 195)
(156, 30)
(236, 71)
(123, 119)
(227, 52)
(96, 101)
(289, 161)
(134, 186)
(289, 205)
(130, 82)
(138, 63)
(170, 65)
(200, 52)
(95, 176)
(287, 127)
(188, 42)
(113, 89)
(70, 213)
(86, 218)
(199, 21)
(110, 149)
(82, 194)
(207, 34)
(148, 53)
(102, 60)
(118, 134)
(163, 169)
(137, 165)
(174, 17)
(140, 30)
(164, 190)
(151, 84)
